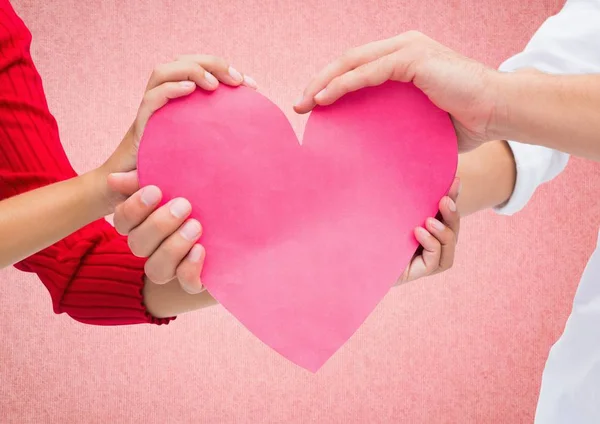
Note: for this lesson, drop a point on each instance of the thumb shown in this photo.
(125, 183)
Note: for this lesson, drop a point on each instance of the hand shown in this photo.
(462, 87)
(168, 81)
(165, 236)
(437, 239)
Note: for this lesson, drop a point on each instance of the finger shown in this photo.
(454, 189)
(133, 211)
(449, 214)
(352, 59)
(148, 236)
(162, 264)
(432, 249)
(182, 71)
(446, 237)
(221, 69)
(158, 97)
(426, 263)
(368, 75)
(125, 183)
(415, 270)
(188, 272)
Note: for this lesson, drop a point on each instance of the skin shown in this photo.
(486, 107)
(163, 235)
(554, 111)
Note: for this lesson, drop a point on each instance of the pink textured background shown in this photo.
(465, 347)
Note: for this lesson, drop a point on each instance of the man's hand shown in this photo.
(438, 240)
(462, 87)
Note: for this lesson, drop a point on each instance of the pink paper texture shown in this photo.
(303, 241)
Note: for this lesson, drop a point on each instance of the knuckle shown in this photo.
(451, 237)
(361, 76)
(147, 99)
(159, 71)
(155, 273)
(215, 62)
(414, 34)
(187, 273)
(340, 83)
(348, 56)
(135, 246)
(119, 221)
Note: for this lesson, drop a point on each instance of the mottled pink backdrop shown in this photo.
(465, 347)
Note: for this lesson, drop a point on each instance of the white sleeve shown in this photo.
(567, 43)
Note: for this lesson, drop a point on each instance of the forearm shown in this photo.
(559, 112)
(34, 220)
(487, 177)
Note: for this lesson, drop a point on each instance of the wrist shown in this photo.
(100, 197)
(500, 92)
(515, 92)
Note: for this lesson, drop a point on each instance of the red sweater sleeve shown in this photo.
(91, 275)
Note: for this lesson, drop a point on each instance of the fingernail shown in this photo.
(451, 205)
(191, 290)
(436, 224)
(210, 79)
(249, 81)
(187, 84)
(150, 195)
(180, 208)
(195, 253)
(298, 101)
(190, 230)
(320, 94)
(237, 77)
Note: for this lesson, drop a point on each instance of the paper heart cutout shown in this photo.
(303, 241)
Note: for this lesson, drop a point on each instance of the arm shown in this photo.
(91, 274)
(487, 175)
(559, 112)
(34, 220)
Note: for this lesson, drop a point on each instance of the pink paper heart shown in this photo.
(303, 241)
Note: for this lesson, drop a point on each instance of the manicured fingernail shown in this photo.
(190, 230)
(210, 79)
(436, 224)
(195, 253)
(237, 77)
(150, 195)
(180, 208)
(320, 95)
(249, 81)
(298, 101)
(451, 205)
(187, 84)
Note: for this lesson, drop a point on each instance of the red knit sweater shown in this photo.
(91, 275)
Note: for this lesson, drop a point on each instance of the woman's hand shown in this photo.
(463, 87)
(164, 235)
(438, 240)
(170, 81)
